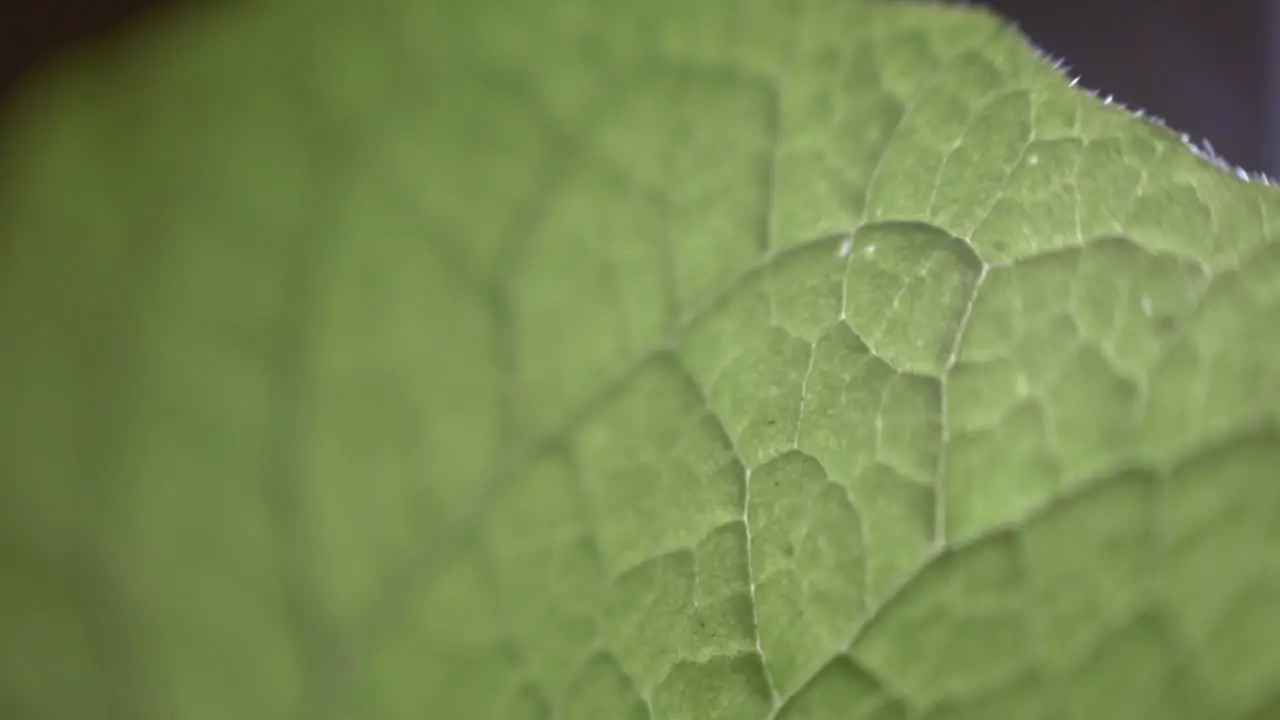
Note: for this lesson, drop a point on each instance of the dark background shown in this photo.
(1208, 67)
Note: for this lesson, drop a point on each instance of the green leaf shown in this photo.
(712, 359)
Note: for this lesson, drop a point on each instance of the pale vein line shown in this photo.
(804, 393)
(751, 584)
(940, 477)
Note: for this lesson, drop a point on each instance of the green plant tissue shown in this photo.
(682, 360)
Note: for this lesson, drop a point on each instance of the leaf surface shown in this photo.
(712, 359)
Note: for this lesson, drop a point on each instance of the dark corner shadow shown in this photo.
(35, 34)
